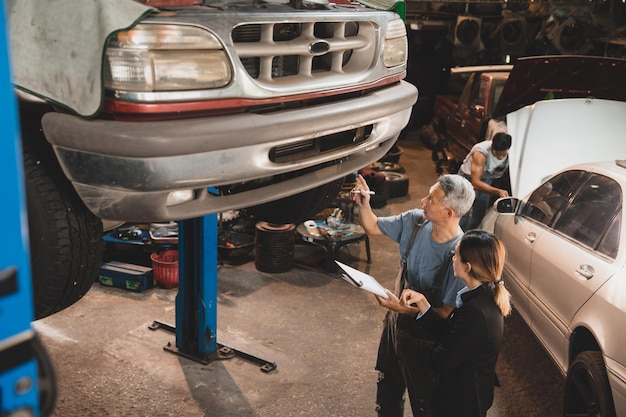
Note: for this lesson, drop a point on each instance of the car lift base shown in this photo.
(223, 352)
(196, 300)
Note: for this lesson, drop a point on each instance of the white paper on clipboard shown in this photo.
(361, 280)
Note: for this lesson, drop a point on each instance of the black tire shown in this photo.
(397, 183)
(65, 237)
(300, 207)
(393, 155)
(376, 182)
(274, 247)
(587, 390)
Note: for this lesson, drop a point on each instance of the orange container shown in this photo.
(165, 266)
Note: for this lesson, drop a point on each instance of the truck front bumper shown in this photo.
(131, 170)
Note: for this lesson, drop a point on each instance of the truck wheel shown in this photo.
(300, 207)
(587, 390)
(65, 237)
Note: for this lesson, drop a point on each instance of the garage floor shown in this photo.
(321, 332)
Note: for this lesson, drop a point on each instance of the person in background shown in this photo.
(468, 342)
(403, 361)
(485, 163)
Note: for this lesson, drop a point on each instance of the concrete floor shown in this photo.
(321, 332)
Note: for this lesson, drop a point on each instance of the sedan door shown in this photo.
(520, 233)
(572, 260)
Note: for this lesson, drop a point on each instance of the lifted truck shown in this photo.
(459, 121)
(160, 110)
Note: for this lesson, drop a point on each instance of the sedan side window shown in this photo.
(546, 201)
(592, 210)
(610, 243)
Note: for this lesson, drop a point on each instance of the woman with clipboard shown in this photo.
(468, 342)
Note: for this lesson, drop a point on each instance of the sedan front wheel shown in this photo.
(587, 390)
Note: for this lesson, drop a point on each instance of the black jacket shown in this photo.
(468, 343)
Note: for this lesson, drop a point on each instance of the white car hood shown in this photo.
(553, 134)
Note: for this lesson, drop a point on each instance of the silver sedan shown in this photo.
(566, 272)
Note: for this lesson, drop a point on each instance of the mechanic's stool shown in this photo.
(333, 240)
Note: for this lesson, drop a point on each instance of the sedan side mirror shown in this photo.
(507, 205)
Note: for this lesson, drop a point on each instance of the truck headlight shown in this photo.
(396, 45)
(165, 58)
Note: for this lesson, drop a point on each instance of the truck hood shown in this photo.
(558, 77)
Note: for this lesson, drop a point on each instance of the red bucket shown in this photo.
(165, 266)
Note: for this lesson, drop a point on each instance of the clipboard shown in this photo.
(361, 280)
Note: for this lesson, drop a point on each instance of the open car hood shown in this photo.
(553, 134)
(555, 77)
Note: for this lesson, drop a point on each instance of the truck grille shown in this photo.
(298, 151)
(281, 53)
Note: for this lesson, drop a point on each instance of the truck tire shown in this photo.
(587, 390)
(300, 207)
(65, 237)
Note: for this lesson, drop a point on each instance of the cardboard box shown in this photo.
(126, 276)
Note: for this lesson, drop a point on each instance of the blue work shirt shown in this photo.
(426, 255)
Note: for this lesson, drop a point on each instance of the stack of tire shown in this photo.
(386, 178)
(376, 181)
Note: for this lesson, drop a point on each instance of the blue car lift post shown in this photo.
(196, 301)
(27, 383)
